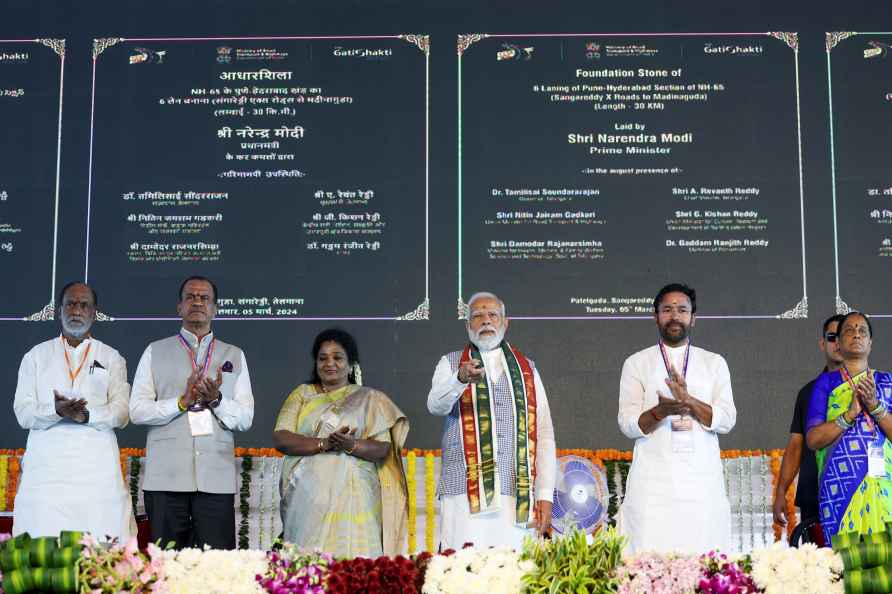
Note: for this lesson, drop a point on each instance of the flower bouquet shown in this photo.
(721, 575)
(383, 575)
(292, 570)
(477, 571)
(652, 573)
(808, 569)
(112, 567)
(214, 572)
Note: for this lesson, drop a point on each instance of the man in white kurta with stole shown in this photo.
(194, 391)
(72, 394)
(674, 400)
(498, 465)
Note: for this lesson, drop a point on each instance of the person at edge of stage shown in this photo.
(674, 401)
(72, 394)
(193, 391)
(497, 478)
(848, 427)
(798, 458)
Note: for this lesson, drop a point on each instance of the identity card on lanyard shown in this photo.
(876, 459)
(682, 426)
(201, 421)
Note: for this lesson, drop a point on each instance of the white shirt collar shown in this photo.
(192, 339)
(79, 347)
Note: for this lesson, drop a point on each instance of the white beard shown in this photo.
(486, 343)
(76, 332)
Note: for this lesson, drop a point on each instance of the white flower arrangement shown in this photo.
(213, 572)
(476, 571)
(779, 569)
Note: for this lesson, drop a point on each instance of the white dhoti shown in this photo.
(491, 529)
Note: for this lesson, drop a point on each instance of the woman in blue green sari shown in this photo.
(848, 427)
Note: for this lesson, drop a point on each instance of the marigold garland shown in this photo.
(4, 478)
(615, 463)
(429, 501)
(12, 483)
(413, 500)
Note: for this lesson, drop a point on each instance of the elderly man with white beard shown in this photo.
(498, 467)
(72, 394)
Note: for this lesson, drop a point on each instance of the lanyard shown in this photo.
(193, 357)
(72, 374)
(848, 377)
(668, 365)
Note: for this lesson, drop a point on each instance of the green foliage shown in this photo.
(571, 565)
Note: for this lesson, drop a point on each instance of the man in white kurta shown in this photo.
(72, 394)
(498, 524)
(674, 408)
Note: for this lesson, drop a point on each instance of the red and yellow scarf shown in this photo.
(477, 413)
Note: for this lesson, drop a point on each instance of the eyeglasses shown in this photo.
(831, 337)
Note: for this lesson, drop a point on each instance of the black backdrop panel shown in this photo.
(591, 162)
(268, 163)
(31, 84)
(861, 98)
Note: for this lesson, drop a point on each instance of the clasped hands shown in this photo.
(864, 398)
(76, 410)
(342, 440)
(681, 403)
(201, 390)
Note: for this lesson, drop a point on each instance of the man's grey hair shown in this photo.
(484, 295)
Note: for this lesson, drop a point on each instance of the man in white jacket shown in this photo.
(72, 394)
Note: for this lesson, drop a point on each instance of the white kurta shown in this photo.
(675, 501)
(497, 528)
(71, 473)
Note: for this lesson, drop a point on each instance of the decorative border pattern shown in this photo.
(57, 45)
(831, 40)
(102, 44)
(44, 315)
(422, 41)
(464, 310)
(422, 311)
(791, 39)
(798, 311)
(466, 41)
(842, 307)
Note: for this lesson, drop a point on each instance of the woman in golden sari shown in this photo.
(343, 487)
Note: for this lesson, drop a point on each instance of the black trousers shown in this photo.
(191, 519)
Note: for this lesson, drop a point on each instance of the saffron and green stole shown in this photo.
(850, 500)
(477, 412)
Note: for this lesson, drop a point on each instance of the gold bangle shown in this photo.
(180, 404)
(321, 445)
(353, 449)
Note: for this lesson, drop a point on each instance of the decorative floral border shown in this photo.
(467, 40)
(57, 45)
(103, 43)
(831, 40)
(791, 39)
(422, 41)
